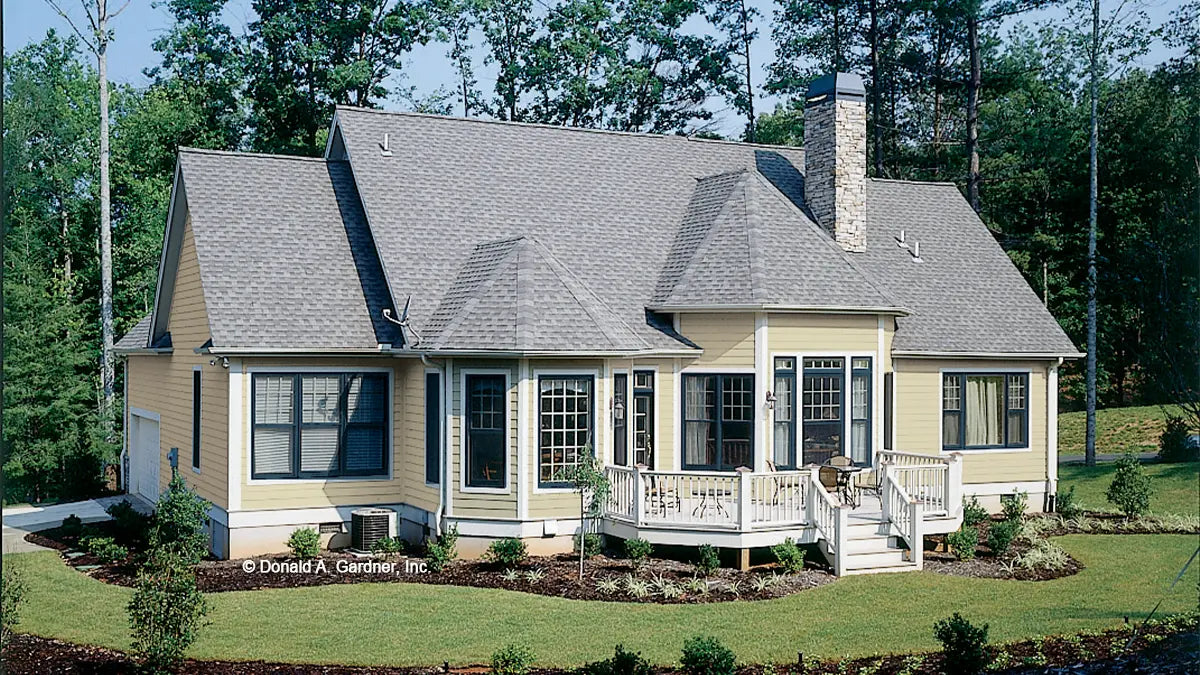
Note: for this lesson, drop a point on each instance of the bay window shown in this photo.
(985, 410)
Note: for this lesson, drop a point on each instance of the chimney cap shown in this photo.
(839, 86)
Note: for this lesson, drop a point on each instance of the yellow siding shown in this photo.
(803, 333)
(727, 339)
(919, 413)
(162, 383)
(296, 494)
(410, 440)
(477, 504)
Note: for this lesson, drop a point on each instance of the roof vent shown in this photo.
(900, 240)
(916, 251)
(386, 146)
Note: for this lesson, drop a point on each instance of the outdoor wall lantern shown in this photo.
(618, 409)
(770, 400)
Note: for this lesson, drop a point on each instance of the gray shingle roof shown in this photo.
(286, 260)
(136, 338)
(966, 295)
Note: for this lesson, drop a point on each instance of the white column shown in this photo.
(744, 507)
(1052, 428)
(762, 384)
(954, 492)
(236, 433)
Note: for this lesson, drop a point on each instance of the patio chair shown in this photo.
(660, 497)
(839, 461)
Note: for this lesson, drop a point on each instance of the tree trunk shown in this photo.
(106, 283)
(66, 243)
(1090, 445)
(974, 82)
(750, 123)
(876, 84)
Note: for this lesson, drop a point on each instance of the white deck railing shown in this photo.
(903, 511)
(934, 480)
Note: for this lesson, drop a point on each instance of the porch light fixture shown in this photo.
(770, 400)
(618, 409)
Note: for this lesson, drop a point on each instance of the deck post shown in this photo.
(810, 500)
(639, 495)
(840, 531)
(916, 537)
(954, 485)
(744, 506)
(884, 465)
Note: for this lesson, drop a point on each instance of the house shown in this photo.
(440, 315)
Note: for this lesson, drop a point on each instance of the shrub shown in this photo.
(707, 560)
(442, 550)
(131, 525)
(12, 596)
(167, 610)
(621, 663)
(963, 542)
(179, 521)
(973, 512)
(593, 543)
(706, 656)
(1067, 505)
(106, 549)
(1001, 535)
(513, 659)
(72, 526)
(638, 550)
(388, 546)
(1014, 506)
(1130, 488)
(789, 556)
(1045, 555)
(1173, 443)
(508, 552)
(963, 645)
(305, 543)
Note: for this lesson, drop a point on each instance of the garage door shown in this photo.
(144, 457)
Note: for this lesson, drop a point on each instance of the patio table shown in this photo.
(716, 493)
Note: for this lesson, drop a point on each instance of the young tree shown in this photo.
(589, 480)
(735, 20)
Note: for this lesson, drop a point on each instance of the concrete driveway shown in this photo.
(20, 521)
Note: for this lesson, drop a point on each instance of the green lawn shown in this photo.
(1176, 486)
(1117, 429)
(408, 624)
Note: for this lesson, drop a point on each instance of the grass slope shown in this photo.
(421, 624)
(1117, 429)
(1176, 486)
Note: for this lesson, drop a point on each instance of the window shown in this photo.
(860, 411)
(784, 442)
(718, 420)
(620, 429)
(565, 426)
(822, 409)
(984, 410)
(319, 425)
(196, 419)
(433, 428)
(643, 417)
(487, 448)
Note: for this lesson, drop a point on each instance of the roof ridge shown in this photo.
(753, 234)
(558, 127)
(252, 155)
(908, 181)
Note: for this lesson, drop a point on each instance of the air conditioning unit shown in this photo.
(368, 526)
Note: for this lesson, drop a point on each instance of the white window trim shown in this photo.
(302, 370)
(197, 434)
(535, 449)
(462, 432)
(1028, 447)
(847, 367)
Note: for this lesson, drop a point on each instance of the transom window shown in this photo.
(718, 418)
(985, 410)
(319, 425)
(565, 423)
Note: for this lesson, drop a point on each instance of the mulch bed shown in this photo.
(986, 564)
(1162, 649)
(559, 574)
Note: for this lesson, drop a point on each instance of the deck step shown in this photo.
(870, 545)
(872, 560)
(906, 567)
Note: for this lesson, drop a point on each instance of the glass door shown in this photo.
(823, 409)
(643, 418)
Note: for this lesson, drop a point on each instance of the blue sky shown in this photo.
(426, 69)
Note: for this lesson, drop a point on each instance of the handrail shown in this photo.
(912, 458)
(905, 514)
(935, 480)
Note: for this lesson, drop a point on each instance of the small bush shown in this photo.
(167, 610)
(789, 556)
(1045, 555)
(12, 596)
(508, 552)
(1014, 506)
(1001, 536)
(106, 549)
(1173, 443)
(593, 544)
(638, 551)
(963, 542)
(1130, 488)
(305, 543)
(131, 526)
(72, 526)
(706, 656)
(387, 546)
(621, 663)
(973, 512)
(442, 550)
(179, 521)
(963, 645)
(707, 560)
(1067, 505)
(513, 659)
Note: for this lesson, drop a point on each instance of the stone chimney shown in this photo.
(835, 158)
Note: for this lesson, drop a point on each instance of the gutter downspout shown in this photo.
(440, 513)
(1052, 436)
